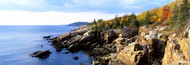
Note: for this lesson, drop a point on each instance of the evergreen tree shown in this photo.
(100, 20)
(183, 12)
(132, 21)
(147, 19)
(115, 23)
(124, 23)
(101, 25)
(95, 27)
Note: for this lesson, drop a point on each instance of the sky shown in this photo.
(60, 12)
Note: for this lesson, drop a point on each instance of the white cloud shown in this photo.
(49, 18)
(129, 2)
(108, 6)
(22, 2)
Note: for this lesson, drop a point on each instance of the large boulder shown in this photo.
(72, 43)
(63, 37)
(110, 36)
(120, 43)
(185, 48)
(118, 32)
(144, 28)
(89, 33)
(125, 33)
(131, 54)
(41, 54)
(78, 32)
(48, 36)
(129, 32)
(172, 53)
(87, 37)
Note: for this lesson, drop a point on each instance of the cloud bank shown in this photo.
(105, 6)
(56, 12)
(49, 18)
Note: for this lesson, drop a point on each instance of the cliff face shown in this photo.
(177, 52)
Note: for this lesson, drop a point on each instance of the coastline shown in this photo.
(111, 47)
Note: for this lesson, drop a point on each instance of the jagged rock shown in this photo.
(172, 36)
(59, 50)
(65, 52)
(160, 36)
(41, 54)
(187, 33)
(84, 27)
(78, 32)
(162, 28)
(86, 39)
(148, 40)
(181, 63)
(153, 46)
(47, 36)
(152, 32)
(64, 37)
(72, 43)
(143, 34)
(118, 32)
(89, 33)
(75, 58)
(100, 51)
(87, 36)
(120, 43)
(172, 53)
(95, 63)
(113, 58)
(185, 48)
(125, 32)
(131, 54)
(110, 36)
(144, 28)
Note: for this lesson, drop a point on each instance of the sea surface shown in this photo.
(18, 42)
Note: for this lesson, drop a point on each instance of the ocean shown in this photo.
(18, 42)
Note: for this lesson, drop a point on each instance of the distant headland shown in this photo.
(78, 23)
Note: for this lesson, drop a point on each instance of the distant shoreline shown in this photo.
(78, 24)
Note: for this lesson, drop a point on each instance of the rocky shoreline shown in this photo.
(128, 46)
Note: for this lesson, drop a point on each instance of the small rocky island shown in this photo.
(41, 54)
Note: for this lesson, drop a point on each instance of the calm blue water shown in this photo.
(17, 42)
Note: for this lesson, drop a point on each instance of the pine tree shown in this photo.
(147, 19)
(95, 27)
(124, 23)
(183, 12)
(116, 23)
(132, 21)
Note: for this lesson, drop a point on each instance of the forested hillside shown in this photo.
(172, 14)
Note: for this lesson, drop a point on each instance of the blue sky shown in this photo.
(91, 8)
